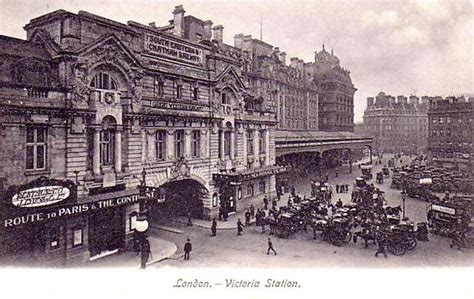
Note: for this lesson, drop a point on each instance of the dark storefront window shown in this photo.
(160, 145)
(36, 148)
(196, 144)
(250, 190)
(179, 143)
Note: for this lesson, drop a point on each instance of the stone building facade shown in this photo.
(397, 124)
(450, 140)
(107, 106)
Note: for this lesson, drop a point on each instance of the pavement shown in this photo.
(160, 250)
(231, 222)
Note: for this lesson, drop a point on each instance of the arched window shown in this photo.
(103, 81)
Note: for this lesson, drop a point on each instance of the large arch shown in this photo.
(178, 197)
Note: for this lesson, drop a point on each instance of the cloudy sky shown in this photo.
(399, 46)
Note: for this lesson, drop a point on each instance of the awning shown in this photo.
(249, 174)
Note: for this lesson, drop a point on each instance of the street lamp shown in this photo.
(141, 227)
(404, 196)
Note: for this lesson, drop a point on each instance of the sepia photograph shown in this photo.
(254, 149)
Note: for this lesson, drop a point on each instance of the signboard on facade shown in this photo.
(68, 210)
(172, 49)
(40, 193)
(446, 210)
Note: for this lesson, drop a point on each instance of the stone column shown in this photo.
(170, 145)
(222, 144)
(187, 143)
(144, 147)
(256, 148)
(244, 147)
(267, 147)
(232, 145)
(204, 143)
(96, 156)
(118, 150)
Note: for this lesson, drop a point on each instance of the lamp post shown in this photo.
(141, 227)
(404, 196)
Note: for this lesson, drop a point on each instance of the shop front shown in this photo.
(44, 223)
(239, 190)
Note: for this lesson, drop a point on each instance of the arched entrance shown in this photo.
(178, 198)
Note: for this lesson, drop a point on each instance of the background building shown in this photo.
(451, 139)
(397, 124)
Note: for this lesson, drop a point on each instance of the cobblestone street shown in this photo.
(301, 250)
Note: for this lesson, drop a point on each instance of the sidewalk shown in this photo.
(160, 250)
(231, 222)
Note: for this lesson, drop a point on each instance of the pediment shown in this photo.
(42, 38)
(108, 49)
(229, 77)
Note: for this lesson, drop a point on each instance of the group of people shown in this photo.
(343, 188)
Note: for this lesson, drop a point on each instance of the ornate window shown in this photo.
(103, 81)
(160, 147)
(250, 142)
(262, 187)
(36, 146)
(196, 144)
(261, 141)
(107, 141)
(179, 143)
(179, 91)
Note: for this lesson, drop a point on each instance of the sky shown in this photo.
(401, 47)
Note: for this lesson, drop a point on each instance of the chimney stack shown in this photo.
(239, 40)
(370, 102)
(217, 33)
(294, 62)
(283, 57)
(178, 20)
(207, 30)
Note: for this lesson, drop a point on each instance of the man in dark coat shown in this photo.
(247, 217)
(252, 211)
(337, 188)
(187, 249)
(270, 247)
(213, 227)
(265, 203)
(240, 227)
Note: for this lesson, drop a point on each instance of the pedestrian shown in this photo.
(146, 252)
(263, 222)
(240, 227)
(337, 174)
(258, 217)
(252, 211)
(265, 203)
(337, 188)
(270, 247)
(382, 242)
(274, 203)
(339, 203)
(221, 213)
(190, 223)
(247, 217)
(213, 227)
(187, 249)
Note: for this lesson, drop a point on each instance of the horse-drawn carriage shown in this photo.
(288, 223)
(379, 177)
(401, 238)
(386, 171)
(366, 171)
(446, 217)
(320, 191)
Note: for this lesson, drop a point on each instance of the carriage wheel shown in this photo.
(282, 232)
(412, 244)
(348, 237)
(397, 249)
